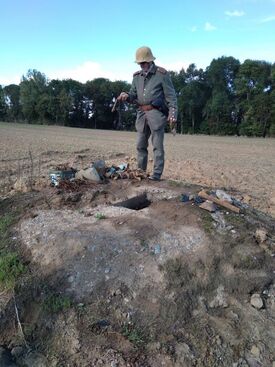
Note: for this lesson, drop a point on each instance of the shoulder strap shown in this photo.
(137, 73)
(161, 70)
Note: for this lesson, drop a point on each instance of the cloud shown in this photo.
(235, 13)
(195, 28)
(268, 19)
(83, 72)
(209, 27)
(88, 70)
(11, 79)
(175, 65)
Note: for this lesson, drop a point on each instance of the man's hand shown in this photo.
(172, 123)
(123, 96)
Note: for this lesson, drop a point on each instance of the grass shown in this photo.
(100, 216)
(174, 183)
(134, 335)
(6, 221)
(10, 269)
(11, 266)
(207, 222)
(56, 303)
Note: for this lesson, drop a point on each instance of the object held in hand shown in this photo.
(172, 123)
(114, 106)
(123, 96)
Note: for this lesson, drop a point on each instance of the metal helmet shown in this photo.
(144, 54)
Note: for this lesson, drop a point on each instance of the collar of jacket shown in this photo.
(151, 70)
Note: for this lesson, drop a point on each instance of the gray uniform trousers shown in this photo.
(158, 149)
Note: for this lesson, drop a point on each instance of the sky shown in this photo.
(87, 39)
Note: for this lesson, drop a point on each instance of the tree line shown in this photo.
(227, 98)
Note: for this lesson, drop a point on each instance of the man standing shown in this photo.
(152, 90)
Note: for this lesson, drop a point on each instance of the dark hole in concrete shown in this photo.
(135, 203)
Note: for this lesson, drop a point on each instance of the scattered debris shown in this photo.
(198, 200)
(74, 185)
(223, 203)
(61, 174)
(157, 250)
(220, 222)
(124, 172)
(222, 195)
(184, 198)
(209, 206)
(97, 173)
(88, 174)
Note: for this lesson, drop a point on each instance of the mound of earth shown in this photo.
(166, 285)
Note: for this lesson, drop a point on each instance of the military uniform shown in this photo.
(152, 92)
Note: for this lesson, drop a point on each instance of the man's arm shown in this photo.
(129, 96)
(170, 97)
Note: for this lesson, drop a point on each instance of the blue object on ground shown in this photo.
(157, 249)
(184, 198)
(198, 200)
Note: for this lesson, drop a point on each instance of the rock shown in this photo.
(256, 301)
(22, 184)
(90, 174)
(255, 351)
(246, 199)
(261, 235)
(222, 195)
(220, 299)
(242, 363)
(209, 206)
(100, 167)
(252, 362)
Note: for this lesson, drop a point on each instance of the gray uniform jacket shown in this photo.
(155, 88)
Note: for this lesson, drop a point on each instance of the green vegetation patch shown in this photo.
(134, 335)
(207, 222)
(56, 303)
(10, 269)
(100, 216)
(5, 222)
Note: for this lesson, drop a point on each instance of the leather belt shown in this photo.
(147, 107)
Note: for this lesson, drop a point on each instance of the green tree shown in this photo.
(12, 96)
(253, 90)
(3, 105)
(72, 104)
(33, 87)
(220, 110)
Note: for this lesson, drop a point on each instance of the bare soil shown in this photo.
(244, 166)
(168, 285)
